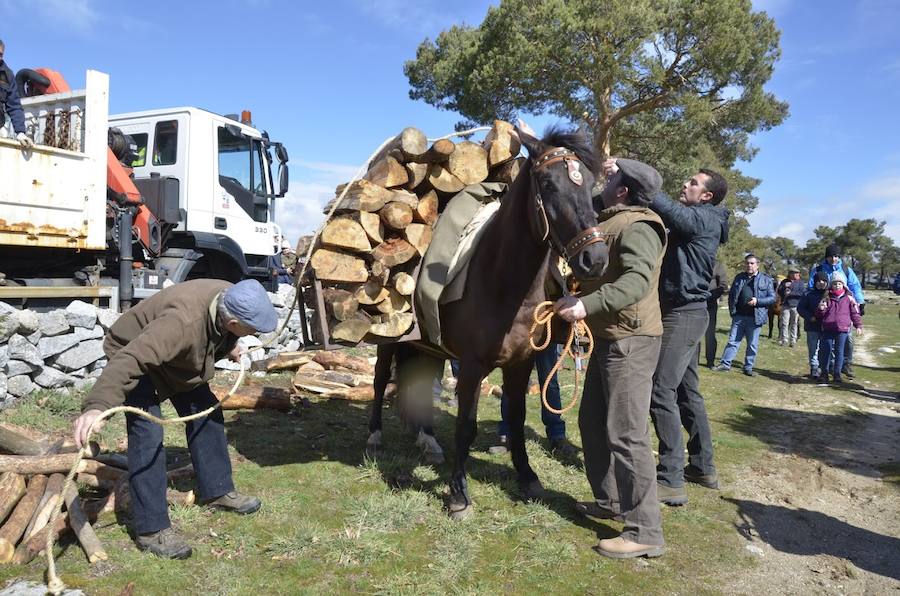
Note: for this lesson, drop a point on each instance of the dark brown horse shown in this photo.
(547, 210)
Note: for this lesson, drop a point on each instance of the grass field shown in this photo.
(335, 522)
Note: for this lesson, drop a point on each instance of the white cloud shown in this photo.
(887, 188)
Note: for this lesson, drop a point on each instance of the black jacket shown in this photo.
(9, 100)
(695, 234)
(808, 309)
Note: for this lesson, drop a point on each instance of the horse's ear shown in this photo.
(533, 145)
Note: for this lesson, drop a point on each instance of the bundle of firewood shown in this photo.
(368, 253)
(324, 373)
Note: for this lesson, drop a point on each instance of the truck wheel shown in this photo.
(210, 267)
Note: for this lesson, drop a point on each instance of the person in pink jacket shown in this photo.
(838, 311)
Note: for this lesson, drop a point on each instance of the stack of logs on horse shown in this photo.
(368, 252)
(32, 478)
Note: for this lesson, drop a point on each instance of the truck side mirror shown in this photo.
(282, 179)
(281, 152)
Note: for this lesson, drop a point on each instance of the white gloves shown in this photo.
(24, 140)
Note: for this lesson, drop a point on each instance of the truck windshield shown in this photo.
(243, 181)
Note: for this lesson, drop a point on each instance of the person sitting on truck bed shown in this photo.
(166, 348)
(10, 105)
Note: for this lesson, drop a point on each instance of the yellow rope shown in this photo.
(543, 315)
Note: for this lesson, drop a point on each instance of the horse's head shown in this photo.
(562, 169)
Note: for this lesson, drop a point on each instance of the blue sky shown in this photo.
(326, 78)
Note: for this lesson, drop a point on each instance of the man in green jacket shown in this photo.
(622, 311)
(166, 348)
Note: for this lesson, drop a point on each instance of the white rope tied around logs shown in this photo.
(55, 585)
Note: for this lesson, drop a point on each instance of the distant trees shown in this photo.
(864, 247)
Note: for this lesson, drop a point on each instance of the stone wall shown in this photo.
(63, 349)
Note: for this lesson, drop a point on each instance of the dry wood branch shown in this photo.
(80, 524)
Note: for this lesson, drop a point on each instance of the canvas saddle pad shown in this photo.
(442, 276)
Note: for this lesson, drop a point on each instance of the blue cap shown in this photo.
(249, 302)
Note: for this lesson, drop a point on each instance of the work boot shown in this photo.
(166, 543)
(502, 446)
(749, 372)
(620, 548)
(236, 502)
(847, 371)
(594, 509)
(673, 496)
(814, 373)
(823, 378)
(692, 474)
(721, 368)
(563, 449)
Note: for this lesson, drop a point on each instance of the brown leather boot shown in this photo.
(620, 548)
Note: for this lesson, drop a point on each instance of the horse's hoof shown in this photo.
(461, 514)
(533, 490)
(431, 449)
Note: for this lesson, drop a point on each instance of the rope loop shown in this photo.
(543, 317)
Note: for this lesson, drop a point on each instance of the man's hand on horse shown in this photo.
(571, 309)
(83, 424)
(523, 126)
(610, 167)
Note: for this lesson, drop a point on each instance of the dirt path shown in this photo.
(814, 509)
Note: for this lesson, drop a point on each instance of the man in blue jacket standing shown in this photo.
(752, 293)
(829, 265)
(10, 105)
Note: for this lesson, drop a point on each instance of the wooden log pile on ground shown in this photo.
(368, 252)
(324, 373)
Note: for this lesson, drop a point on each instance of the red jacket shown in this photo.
(840, 312)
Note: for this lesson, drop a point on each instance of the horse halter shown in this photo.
(584, 238)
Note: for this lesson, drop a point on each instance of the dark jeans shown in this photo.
(676, 399)
(615, 435)
(836, 341)
(147, 456)
(711, 345)
(553, 423)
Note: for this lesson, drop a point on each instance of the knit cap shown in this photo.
(838, 276)
(820, 276)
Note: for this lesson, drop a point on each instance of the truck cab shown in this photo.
(208, 179)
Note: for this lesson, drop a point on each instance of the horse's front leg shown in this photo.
(468, 389)
(515, 386)
(385, 355)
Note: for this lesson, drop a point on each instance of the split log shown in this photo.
(394, 251)
(379, 271)
(80, 524)
(410, 142)
(507, 172)
(426, 210)
(417, 173)
(418, 235)
(404, 283)
(344, 232)
(286, 360)
(12, 487)
(442, 180)
(361, 196)
(395, 302)
(371, 223)
(49, 502)
(404, 197)
(316, 384)
(387, 172)
(311, 366)
(15, 440)
(349, 379)
(15, 526)
(339, 304)
(361, 393)
(32, 547)
(333, 358)
(439, 152)
(394, 325)
(256, 397)
(501, 143)
(334, 266)
(371, 292)
(469, 163)
(352, 330)
(396, 215)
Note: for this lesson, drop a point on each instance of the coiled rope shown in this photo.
(55, 585)
(543, 316)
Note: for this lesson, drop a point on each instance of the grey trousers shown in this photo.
(615, 434)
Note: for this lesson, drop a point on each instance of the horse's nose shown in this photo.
(590, 262)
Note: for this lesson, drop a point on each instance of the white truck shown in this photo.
(200, 203)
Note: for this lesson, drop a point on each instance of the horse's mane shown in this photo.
(556, 136)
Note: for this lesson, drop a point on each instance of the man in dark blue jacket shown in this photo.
(752, 293)
(697, 225)
(10, 105)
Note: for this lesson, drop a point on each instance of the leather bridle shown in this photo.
(584, 238)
